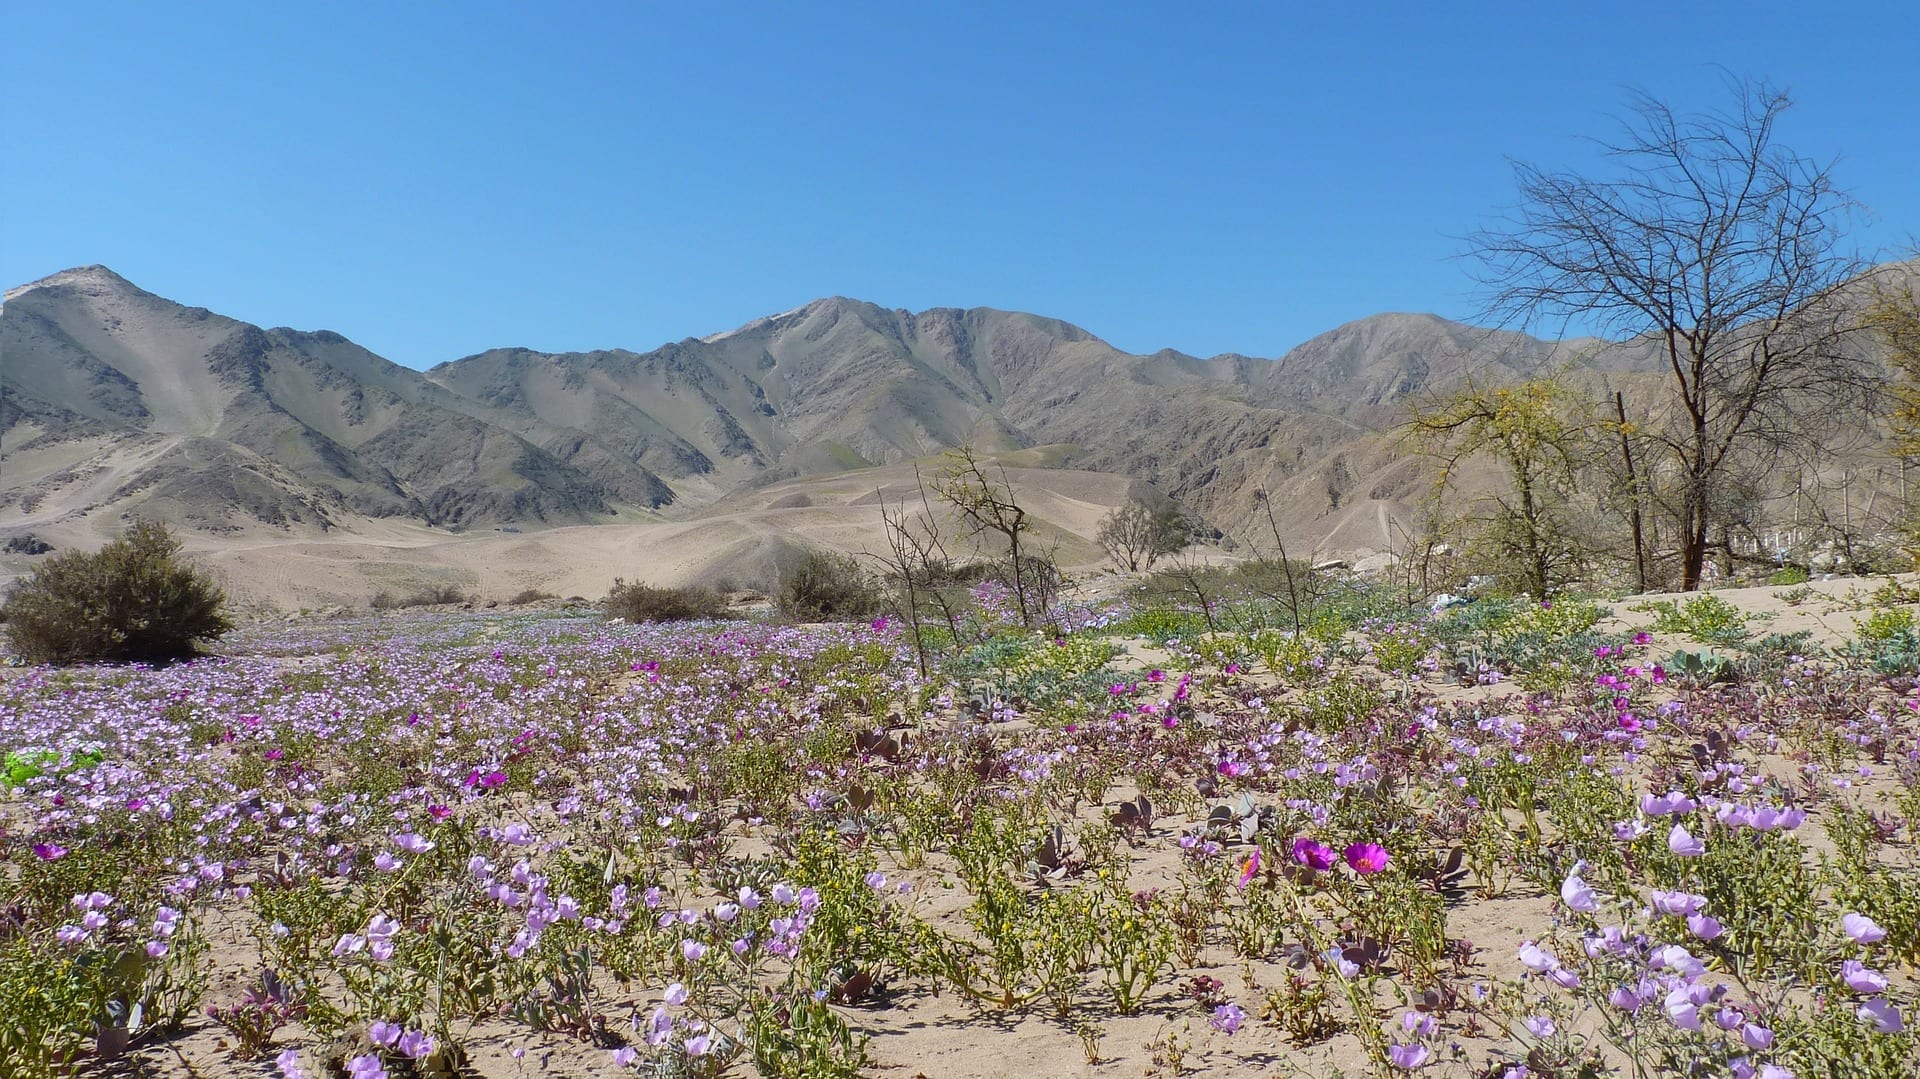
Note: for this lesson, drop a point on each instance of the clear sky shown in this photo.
(436, 179)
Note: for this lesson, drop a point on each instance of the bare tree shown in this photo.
(1720, 248)
(985, 505)
(1136, 535)
(921, 571)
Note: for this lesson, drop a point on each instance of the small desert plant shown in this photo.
(134, 600)
(530, 595)
(1788, 575)
(639, 602)
(430, 596)
(827, 587)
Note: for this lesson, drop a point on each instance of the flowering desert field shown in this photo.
(1499, 838)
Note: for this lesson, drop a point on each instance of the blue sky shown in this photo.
(436, 179)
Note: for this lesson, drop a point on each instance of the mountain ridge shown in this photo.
(293, 429)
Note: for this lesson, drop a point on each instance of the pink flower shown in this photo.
(1366, 858)
(1250, 870)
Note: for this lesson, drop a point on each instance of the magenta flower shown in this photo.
(1366, 858)
(1313, 854)
(1250, 870)
(49, 852)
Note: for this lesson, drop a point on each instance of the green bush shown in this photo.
(1788, 575)
(133, 601)
(827, 587)
(638, 602)
(1889, 640)
(1707, 619)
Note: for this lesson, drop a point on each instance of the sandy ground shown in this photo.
(738, 540)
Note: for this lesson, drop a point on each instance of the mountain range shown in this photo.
(118, 402)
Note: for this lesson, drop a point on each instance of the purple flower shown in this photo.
(1536, 959)
(1862, 979)
(1541, 1026)
(1409, 1057)
(1862, 929)
(1227, 1018)
(1884, 1017)
(1677, 959)
(1578, 895)
(676, 994)
(1679, 904)
(415, 1045)
(1704, 926)
(49, 852)
(1681, 1009)
(1626, 998)
(1681, 842)
(289, 1064)
(1672, 803)
(366, 1066)
(1755, 1036)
